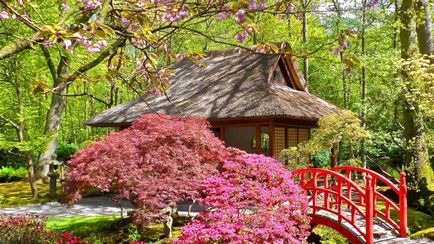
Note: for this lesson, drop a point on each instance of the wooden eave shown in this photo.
(292, 72)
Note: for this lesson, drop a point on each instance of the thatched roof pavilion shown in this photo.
(246, 97)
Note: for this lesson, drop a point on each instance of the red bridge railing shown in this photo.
(350, 193)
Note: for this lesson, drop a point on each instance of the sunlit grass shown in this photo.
(108, 229)
(18, 193)
(427, 233)
(81, 226)
(419, 224)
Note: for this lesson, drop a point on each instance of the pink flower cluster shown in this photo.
(174, 16)
(253, 200)
(4, 15)
(257, 4)
(91, 4)
(90, 46)
(68, 238)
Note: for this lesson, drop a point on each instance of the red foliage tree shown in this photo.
(163, 159)
(158, 161)
(253, 200)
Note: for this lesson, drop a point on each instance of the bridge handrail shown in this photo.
(349, 183)
(354, 208)
(401, 192)
(329, 172)
(374, 175)
(368, 195)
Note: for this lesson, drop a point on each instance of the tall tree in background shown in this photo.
(19, 114)
(364, 85)
(415, 17)
(305, 5)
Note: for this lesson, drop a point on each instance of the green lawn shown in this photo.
(108, 229)
(18, 193)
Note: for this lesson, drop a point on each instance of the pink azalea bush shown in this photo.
(24, 229)
(253, 200)
(28, 228)
(158, 161)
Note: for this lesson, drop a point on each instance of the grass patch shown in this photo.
(418, 221)
(426, 233)
(81, 226)
(18, 193)
(108, 229)
(419, 224)
(329, 235)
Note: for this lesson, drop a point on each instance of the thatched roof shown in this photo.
(233, 84)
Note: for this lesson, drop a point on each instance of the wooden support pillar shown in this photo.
(258, 139)
(271, 138)
(222, 133)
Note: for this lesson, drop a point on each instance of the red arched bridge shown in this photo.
(347, 199)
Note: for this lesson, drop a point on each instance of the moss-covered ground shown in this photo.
(18, 193)
(419, 223)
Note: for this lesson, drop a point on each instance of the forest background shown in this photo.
(365, 56)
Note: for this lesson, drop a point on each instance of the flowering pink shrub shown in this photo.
(29, 228)
(24, 229)
(253, 200)
(68, 238)
(158, 161)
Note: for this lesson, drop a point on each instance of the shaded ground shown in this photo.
(91, 206)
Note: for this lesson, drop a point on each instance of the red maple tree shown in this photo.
(158, 161)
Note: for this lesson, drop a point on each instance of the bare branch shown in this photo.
(19, 45)
(49, 62)
(107, 52)
(9, 122)
(84, 94)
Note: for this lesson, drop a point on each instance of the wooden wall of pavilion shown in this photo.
(281, 133)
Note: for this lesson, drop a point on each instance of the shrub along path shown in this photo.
(90, 206)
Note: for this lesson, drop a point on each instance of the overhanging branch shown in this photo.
(19, 45)
(104, 54)
(49, 62)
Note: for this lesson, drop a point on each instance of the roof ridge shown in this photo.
(239, 50)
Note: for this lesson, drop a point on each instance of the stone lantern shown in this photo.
(53, 173)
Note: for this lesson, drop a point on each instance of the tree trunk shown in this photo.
(416, 156)
(305, 4)
(396, 28)
(54, 116)
(425, 43)
(345, 86)
(423, 27)
(21, 137)
(52, 124)
(31, 172)
(364, 85)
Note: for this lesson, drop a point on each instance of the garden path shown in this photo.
(90, 206)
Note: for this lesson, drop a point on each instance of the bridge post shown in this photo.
(369, 210)
(402, 205)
